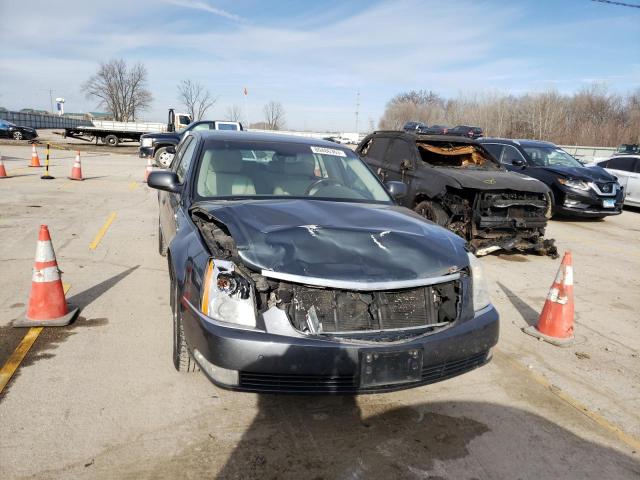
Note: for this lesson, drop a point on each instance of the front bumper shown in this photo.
(145, 152)
(586, 204)
(271, 363)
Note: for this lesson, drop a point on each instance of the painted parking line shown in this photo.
(623, 436)
(94, 244)
(14, 361)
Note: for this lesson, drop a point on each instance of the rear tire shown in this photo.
(162, 247)
(432, 211)
(182, 360)
(111, 140)
(17, 136)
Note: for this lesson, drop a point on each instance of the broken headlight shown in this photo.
(227, 296)
(571, 183)
(481, 297)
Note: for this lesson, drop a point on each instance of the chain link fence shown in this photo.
(41, 120)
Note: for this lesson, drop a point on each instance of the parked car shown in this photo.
(576, 190)
(161, 146)
(457, 184)
(11, 130)
(298, 273)
(412, 126)
(465, 131)
(433, 130)
(626, 168)
(628, 149)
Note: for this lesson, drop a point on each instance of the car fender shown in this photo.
(163, 143)
(430, 187)
(188, 257)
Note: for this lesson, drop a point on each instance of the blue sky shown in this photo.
(314, 56)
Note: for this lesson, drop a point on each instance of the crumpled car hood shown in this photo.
(338, 240)
(494, 180)
(589, 174)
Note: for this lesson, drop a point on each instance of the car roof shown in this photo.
(245, 136)
(426, 136)
(519, 141)
(620, 155)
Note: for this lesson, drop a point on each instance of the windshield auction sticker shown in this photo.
(328, 151)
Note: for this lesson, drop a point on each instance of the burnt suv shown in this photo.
(576, 190)
(456, 183)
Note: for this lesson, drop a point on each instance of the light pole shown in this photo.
(357, 113)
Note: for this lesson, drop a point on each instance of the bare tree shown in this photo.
(121, 89)
(274, 115)
(592, 116)
(195, 98)
(420, 105)
(234, 113)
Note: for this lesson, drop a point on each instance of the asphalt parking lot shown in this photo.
(101, 399)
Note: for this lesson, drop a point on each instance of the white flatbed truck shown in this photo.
(112, 133)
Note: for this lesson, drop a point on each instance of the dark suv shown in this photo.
(576, 190)
(457, 184)
(465, 131)
(413, 126)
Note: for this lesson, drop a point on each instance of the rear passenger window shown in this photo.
(495, 149)
(399, 151)
(626, 164)
(377, 148)
(204, 126)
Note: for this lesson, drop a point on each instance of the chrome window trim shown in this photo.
(360, 286)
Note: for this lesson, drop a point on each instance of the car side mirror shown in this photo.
(171, 149)
(165, 180)
(405, 164)
(518, 162)
(397, 190)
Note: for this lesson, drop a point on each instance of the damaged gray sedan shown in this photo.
(293, 270)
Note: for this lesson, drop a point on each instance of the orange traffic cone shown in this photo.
(148, 170)
(555, 324)
(47, 305)
(35, 159)
(76, 171)
(3, 171)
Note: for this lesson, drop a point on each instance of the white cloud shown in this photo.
(313, 65)
(201, 5)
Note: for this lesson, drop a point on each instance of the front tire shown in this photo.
(163, 158)
(433, 211)
(17, 136)
(182, 360)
